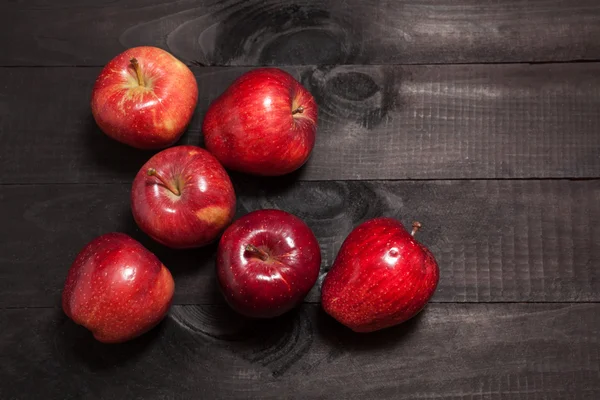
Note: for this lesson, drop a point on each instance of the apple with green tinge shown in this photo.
(145, 98)
(263, 124)
(117, 288)
(267, 262)
(381, 277)
(182, 197)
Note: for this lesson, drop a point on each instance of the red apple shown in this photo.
(182, 197)
(117, 289)
(267, 262)
(145, 98)
(263, 124)
(381, 277)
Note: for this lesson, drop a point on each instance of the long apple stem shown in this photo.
(255, 251)
(138, 71)
(300, 110)
(416, 226)
(175, 190)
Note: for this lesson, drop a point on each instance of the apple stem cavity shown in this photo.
(256, 252)
(298, 110)
(415, 227)
(175, 190)
(138, 71)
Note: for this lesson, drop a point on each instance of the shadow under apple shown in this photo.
(121, 161)
(275, 343)
(77, 343)
(342, 339)
(181, 262)
(246, 185)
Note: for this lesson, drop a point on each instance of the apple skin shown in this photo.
(381, 277)
(152, 116)
(117, 288)
(263, 124)
(267, 288)
(199, 214)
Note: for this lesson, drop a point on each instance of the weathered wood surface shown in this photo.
(376, 122)
(494, 240)
(449, 351)
(481, 153)
(284, 32)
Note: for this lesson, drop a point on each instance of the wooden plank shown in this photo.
(285, 32)
(494, 240)
(450, 351)
(376, 122)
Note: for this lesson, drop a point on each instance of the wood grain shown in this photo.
(450, 351)
(494, 240)
(284, 32)
(376, 122)
(497, 158)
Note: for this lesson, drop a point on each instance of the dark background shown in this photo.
(481, 119)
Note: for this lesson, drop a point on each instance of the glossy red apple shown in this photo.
(145, 98)
(267, 262)
(381, 277)
(263, 124)
(117, 288)
(182, 197)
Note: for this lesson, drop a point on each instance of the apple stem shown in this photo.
(416, 226)
(255, 251)
(300, 110)
(138, 71)
(175, 190)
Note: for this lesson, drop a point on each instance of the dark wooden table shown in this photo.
(479, 118)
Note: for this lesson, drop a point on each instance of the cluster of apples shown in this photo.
(267, 260)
